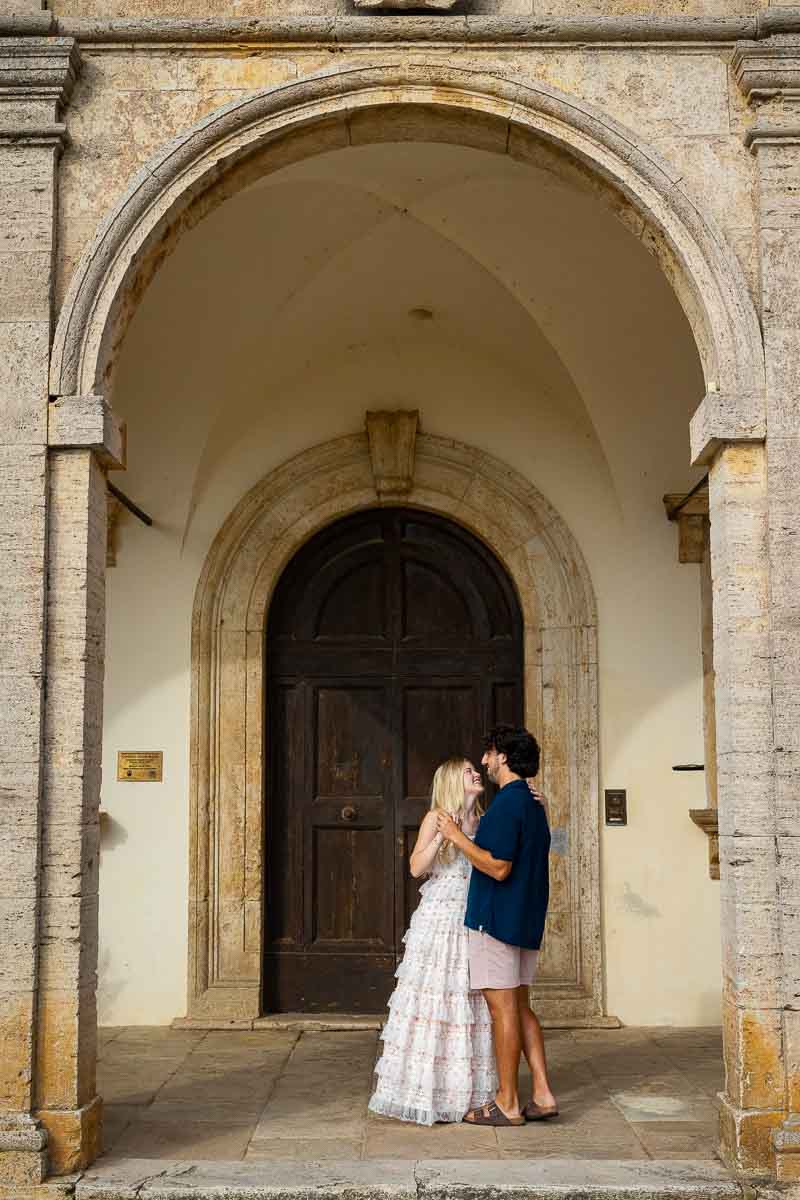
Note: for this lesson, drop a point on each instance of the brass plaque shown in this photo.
(140, 766)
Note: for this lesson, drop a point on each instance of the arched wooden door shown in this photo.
(394, 640)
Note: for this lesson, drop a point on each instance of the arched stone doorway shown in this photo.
(228, 765)
(394, 640)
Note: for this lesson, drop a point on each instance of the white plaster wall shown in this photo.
(556, 345)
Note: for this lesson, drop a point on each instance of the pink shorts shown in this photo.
(494, 964)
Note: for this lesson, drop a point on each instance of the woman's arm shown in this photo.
(426, 846)
(483, 860)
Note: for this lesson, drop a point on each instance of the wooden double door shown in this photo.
(394, 641)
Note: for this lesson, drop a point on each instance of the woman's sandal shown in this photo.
(490, 1114)
(533, 1112)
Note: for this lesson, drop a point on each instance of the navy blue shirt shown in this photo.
(515, 830)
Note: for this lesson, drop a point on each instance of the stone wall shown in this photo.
(538, 9)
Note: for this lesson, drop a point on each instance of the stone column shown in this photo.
(66, 1101)
(769, 75)
(728, 434)
(36, 77)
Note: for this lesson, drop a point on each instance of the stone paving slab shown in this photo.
(427, 1179)
(277, 1095)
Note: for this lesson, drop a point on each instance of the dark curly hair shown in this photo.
(519, 746)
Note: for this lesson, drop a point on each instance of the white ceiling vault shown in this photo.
(473, 287)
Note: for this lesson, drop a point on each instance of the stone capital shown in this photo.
(722, 418)
(768, 73)
(769, 68)
(37, 75)
(86, 423)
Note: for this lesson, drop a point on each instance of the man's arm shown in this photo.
(482, 860)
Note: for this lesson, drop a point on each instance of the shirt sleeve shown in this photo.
(501, 836)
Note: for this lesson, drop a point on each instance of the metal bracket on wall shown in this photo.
(126, 502)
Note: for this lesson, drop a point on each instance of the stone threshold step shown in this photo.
(397, 1179)
(343, 1022)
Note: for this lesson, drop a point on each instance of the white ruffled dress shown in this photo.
(438, 1056)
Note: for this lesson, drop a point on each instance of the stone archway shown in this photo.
(227, 717)
(232, 148)
(398, 101)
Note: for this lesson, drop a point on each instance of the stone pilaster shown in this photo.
(84, 440)
(769, 75)
(753, 1099)
(36, 76)
(65, 1067)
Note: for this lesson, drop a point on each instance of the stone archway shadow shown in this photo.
(228, 715)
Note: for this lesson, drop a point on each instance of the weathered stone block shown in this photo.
(749, 865)
(20, 717)
(786, 1140)
(747, 781)
(746, 1137)
(27, 199)
(751, 951)
(25, 295)
(24, 355)
(87, 422)
(779, 178)
(66, 1048)
(755, 1070)
(724, 418)
(16, 1049)
(21, 1167)
(74, 1137)
(18, 933)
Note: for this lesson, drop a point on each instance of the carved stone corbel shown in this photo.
(392, 444)
(707, 819)
(769, 77)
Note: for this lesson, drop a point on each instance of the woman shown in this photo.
(438, 1059)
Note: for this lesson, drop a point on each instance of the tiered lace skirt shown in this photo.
(438, 1058)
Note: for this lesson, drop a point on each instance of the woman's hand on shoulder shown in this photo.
(537, 795)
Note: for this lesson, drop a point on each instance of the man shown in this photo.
(506, 910)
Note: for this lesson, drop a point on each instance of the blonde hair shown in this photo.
(447, 795)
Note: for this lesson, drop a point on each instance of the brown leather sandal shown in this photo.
(490, 1114)
(533, 1112)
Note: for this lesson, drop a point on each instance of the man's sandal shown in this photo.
(490, 1114)
(534, 1112)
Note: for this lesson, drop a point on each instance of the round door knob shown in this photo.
(349, 813)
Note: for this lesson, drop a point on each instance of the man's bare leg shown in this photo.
(533, 1049)
(504, 1011)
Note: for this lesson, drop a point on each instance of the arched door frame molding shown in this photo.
(246, 139)
(227, 769)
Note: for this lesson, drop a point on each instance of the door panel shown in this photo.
(352, 741)
(394, 639)
(347, 892)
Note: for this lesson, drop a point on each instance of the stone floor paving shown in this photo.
(627, 1094)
